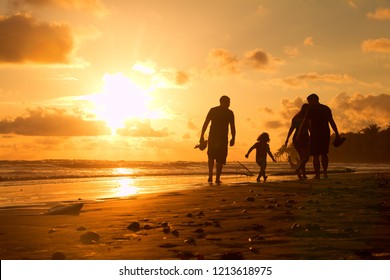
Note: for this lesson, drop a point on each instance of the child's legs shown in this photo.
(262, 162)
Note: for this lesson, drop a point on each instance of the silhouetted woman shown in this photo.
(301, 144)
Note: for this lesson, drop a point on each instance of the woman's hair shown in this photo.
(303, 110)
(264, 137)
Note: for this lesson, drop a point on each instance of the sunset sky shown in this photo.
(134, 80)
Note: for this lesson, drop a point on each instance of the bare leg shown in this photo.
(262, 172)
(325, 163)
(317, 166)
(304, 158)
(219, 171)
(211, 167)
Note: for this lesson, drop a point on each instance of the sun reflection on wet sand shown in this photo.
(126, 187)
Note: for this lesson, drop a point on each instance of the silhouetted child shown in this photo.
(262, 149)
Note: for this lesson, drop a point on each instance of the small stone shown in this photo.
(200, 214)
(82, 228)
(58, 256)
(90, 237)
(134, 226)
(199, 230)
(52, 230)
(190, 241)
(232, 256)
(250, 198)
(253, 250)
(189, 215)
(297, 227)
(164, 224)
(168, 245)
(147, 227)
(175, 233)
(185, 255)
(256, 238)
(258, 227)
(167, 230)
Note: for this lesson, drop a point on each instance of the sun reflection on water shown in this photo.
(122, 171)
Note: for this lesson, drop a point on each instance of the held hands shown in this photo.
(247, 155)
(232, 142)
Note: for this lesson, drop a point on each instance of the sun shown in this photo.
(121, 99)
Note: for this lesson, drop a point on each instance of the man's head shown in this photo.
(313, 99)
(224, 101)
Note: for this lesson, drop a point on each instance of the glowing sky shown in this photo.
(134, 80)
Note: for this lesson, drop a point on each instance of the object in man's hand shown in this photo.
(338, 141)
(202, 145)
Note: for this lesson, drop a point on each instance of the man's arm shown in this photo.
(204, 128)
(334, 126)
(233, 131)
(333, 123)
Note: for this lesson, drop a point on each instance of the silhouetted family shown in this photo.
(311, 138)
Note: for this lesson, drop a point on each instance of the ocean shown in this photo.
(24, 183)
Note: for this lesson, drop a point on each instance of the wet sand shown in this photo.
(344, 217)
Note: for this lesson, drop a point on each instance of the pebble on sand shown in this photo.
(58, 256)
(232, 256)
(90, 237)
(134, 226)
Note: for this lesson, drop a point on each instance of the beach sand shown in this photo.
(344, 217)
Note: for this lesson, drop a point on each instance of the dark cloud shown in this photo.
(224, 60)
(274, 124)
(352, 112)
(52, 122)
(27, 40)
(92, 6)
(171, 78)
(357, 111)
(141, 128)
(257, 59)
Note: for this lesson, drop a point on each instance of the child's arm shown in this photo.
(250, 150)
(272, 156)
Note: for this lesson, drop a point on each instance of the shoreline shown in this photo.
(344, 217)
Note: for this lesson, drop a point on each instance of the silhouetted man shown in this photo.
(318, 118)
(220, 117)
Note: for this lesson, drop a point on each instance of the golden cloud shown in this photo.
(381, 45)
(26, 40)
(380, 14)
(52, 122)
(301, 80)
